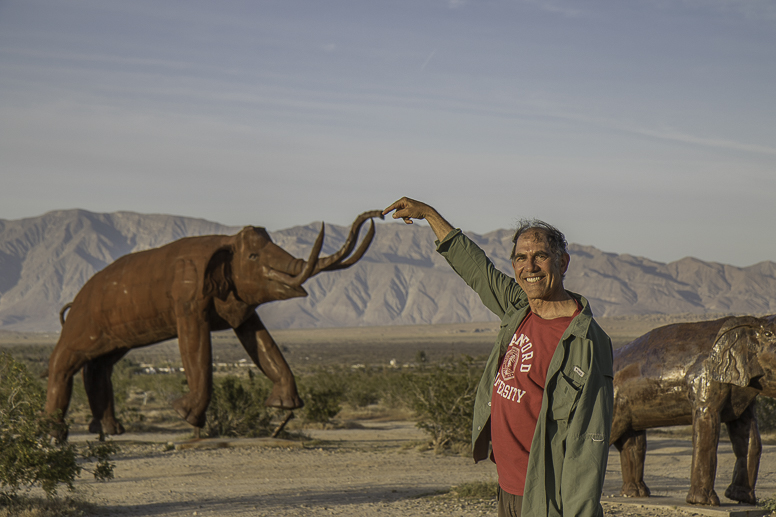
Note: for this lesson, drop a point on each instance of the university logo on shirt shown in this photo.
(509, 364)
(520, 352)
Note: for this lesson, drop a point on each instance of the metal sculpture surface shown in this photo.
(186, 289)
(703, 374)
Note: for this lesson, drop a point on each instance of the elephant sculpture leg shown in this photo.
(705, 439)
(265, 353)
(197, 359)
(633, 452)
(99, 390)
(747, 447)
(63, 365)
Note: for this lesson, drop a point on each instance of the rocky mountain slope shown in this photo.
(45, 260)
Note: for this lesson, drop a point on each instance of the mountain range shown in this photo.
(401, 280)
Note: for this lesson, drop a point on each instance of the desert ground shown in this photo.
(367, 464)
(374, 470)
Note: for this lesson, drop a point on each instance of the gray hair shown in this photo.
(555, 238)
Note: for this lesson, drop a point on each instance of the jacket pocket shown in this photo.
(564, 397)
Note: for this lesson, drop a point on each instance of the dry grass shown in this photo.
(305, 350)
(34, 506)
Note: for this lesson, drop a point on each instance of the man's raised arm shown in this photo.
(409, 209)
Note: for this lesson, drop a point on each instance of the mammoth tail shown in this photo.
(62, 312)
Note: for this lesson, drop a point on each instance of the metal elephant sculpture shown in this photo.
(703, 374)
(186, 289)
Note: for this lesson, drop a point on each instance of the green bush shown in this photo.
(323, 393)
(28, 455)
(362, 387)
(766, 413)
(74, 505)
(321, 406)
(443, 400)
(476, 490)
(237, 408)
(768, 503)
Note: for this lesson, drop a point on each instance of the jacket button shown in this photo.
(488, 404)
(479, 428)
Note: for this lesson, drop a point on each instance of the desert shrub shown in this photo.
(442, 397)
(768, 503)
(766, 413)
(166, 387)
(28, 455)
(323, 392)
(123, 378)
(29, 506)
(321, 406)
(363, 386)
(476, 490)
(237, 408)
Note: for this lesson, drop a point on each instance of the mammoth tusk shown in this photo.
(359, 252)
(62, 312)
(335, 261)
(309, 267)
(279, 276)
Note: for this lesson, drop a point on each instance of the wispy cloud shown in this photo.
(750, 9)
(555, 6)
(428, 60)
(718, 143)
(64, 59)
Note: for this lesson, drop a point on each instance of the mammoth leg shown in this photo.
(99, 390)
(63, 365)
(633, 452)
(705, 438)
(196, 355)
(267, 356)
(747, 446)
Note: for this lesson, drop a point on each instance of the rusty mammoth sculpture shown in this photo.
(186, 289)
(703, 374)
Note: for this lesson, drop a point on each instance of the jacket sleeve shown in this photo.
(587, 444)
(496, 289)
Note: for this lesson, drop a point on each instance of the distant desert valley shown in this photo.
(401, 280)
(400, 309)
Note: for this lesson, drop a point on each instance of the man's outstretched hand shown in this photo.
(408, 209)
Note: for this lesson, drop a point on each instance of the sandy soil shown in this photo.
(377, 470)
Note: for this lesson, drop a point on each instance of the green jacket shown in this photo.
(570, 448)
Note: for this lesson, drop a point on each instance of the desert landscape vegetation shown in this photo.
(366, 444)
(387, 355)
(640, 129)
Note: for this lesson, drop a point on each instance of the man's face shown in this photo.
(537, 270)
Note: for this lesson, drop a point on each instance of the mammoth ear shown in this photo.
(218, 274)
(733, 358)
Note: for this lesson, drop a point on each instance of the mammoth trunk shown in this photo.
(296, 277)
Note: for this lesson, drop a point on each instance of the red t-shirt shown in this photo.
(517, 396)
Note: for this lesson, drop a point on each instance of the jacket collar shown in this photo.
(579, 325)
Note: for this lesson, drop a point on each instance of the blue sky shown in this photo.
(643, 127)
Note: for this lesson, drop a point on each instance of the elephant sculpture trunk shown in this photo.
(186, 289)
(307, 269)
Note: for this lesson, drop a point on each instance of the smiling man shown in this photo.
(544, 402)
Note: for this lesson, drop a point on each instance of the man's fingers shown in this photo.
(405, 209)
(394, 206)
(389, 209)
